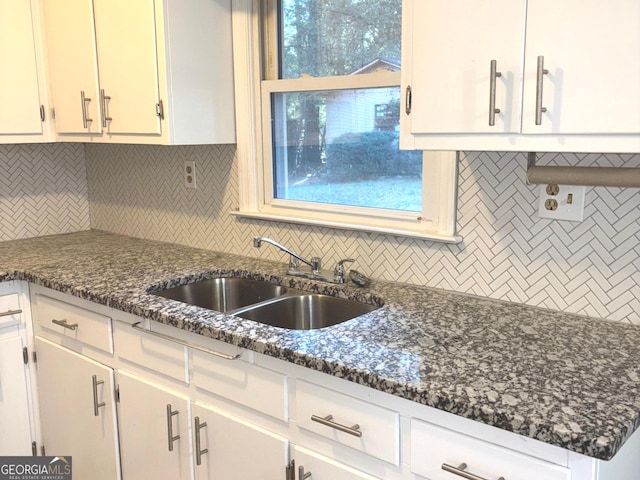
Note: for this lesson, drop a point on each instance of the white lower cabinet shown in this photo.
(77, 411)
(229, 448)
(307, 462)
(17, 425)
(441, 454)
(204, 413)
(15, 439)
(155, 440)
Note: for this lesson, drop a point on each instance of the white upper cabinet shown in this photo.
(20, 84)
(73, 67)
(158, 72)
(451, 76)
(532, 75)
(591, 51)
(126, 41)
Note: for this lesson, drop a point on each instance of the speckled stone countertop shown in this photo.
(564, 379)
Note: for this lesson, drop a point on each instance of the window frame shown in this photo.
(252, 63)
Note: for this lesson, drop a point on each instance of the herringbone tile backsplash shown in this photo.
(508, 252)
(43, 190)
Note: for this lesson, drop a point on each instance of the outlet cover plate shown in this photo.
(570, 200)
(189, 173)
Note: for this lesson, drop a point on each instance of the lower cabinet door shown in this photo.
(15, 434)
(154, 431)
(77, 411)
(228, 448)
(323, 468)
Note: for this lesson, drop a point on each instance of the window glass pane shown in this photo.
(338, 37)
(341, 147)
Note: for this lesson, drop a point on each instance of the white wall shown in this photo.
(508, 252)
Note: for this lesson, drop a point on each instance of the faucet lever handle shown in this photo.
(339, 270)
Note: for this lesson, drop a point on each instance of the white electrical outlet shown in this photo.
(561, 202)
(189, 173)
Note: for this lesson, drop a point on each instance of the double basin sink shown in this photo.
(267, 303)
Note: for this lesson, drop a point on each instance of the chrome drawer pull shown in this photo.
(96, 405)
(8, 313)
(136, 326)
(63, 323)
(354, 430)
(493, 75)
(105, 114)
(539, 82)
(85, 116)
(460, 471)
(170, 436)
(199, 452)
(301, 473)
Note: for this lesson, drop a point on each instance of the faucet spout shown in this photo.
(257, 242)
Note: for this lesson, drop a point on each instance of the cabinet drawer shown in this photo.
(69, 321)
(162, 356)
(432, 447)
(379, 427)
(9, 310)
(322, 468)
(255, 387)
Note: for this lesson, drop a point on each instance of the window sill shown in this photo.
(411, 229)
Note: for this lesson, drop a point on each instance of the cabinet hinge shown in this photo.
(408, 100)
(34, 449)
(53, 114)
(160, 110)
(42, 113)
(34, 357)
(117, 393)
(25, 355)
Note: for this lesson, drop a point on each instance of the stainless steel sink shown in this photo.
(223, 294)
(306, 311)
(267, 303)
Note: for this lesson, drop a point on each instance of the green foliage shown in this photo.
(336, 37)
(369, 155)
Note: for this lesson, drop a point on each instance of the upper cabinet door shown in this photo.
(73, 69)
(453, 43)
(19, 95)
(591, 51)
(127, 55)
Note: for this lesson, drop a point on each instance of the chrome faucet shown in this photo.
(315, 272)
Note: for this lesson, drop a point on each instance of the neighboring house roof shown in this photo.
(380, 63)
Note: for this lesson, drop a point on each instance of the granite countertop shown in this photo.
(567, 380)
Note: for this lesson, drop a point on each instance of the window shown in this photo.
(323, 110)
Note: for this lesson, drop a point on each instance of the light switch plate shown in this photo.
(569, 202)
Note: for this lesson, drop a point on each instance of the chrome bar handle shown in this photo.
(170, 437)
(63, 323)
(290, 471)
(136, 326)
(103, 102)
(460, 471)
(539, 81)
(85, 116)
(301, 474)
(96, 405)
(493, 74)
(8, 313)
(328, 421)
(199, 453)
